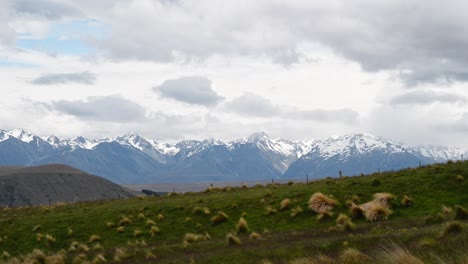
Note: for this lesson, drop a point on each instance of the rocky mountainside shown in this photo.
(132, 159)
(50, 184)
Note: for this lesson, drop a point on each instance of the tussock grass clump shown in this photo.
(97, 246)
(219, 218)
(295, 211)
(94, 238)
(324, 215)
(197, 210)
(459, 178)
(319, 202)
(49, 239)
(397, 255)
(70, 232)
(37, 228)
(206, 210)
(432, 219)
(242, 225)
(356, 211)
(377, 212)
(137, 232)
(190, 238)
(160, 217)
(406, 201)
(124, 221)
(270, 210)
(150, 222)
(120, 229)
(383, 198)
(353, 256)
(110, 224)
(120, 254)
(255, 236)
(141, 216)
(446, 210)
(39, 237)
(452, 228)
(344, 223)
(234, 206)
(268, 193)
(99, 259)
(460, 213)
(232, 239)
(285, 204)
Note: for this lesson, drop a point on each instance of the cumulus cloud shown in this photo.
(425, 41)
(63, 78)
(112, 108)
(425, 97)
(255, 105)
(7, 34)
(192, 90)
(52, 10)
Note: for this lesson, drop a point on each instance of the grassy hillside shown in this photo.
(179, 228)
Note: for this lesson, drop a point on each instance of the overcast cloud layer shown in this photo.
(181, 69)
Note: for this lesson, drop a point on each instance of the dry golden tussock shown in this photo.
(319, 202)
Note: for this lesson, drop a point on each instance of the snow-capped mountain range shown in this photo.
(133, 159)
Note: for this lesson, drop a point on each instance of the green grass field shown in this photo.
(122, 228)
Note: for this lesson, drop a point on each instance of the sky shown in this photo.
(175, 69)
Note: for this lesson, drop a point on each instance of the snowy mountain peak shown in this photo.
(259, 136)
(53, 140)
(18, 133)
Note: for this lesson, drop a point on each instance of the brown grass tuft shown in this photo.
(37, 228)
(110, 224)
(206, 210)
(120, 254)
(319, 202)
(295, 211)
(452, 228)
(124, 221)
(460, 213)
(383, 199)
(160, 217)
(353, 256)
(219, 218)
(376, 212)
(397, 255)
(270, 210)
(137, 232)
(406, 201)
(285, 204)
(255, 236)
(150, 222)
(324, 215)
(99, 259)
(153, 231)
(94, 238)
(242, 225)
(197, 210)
(356, 211)
(120, 229)
(459, 178)
(232, 239)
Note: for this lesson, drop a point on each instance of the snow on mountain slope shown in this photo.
(257, 154)
(442, 153)
(362, 143)
(21, 134)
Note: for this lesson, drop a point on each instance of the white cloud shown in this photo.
(192, 90)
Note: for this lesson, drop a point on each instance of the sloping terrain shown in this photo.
(426, 218)
(50, 184)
